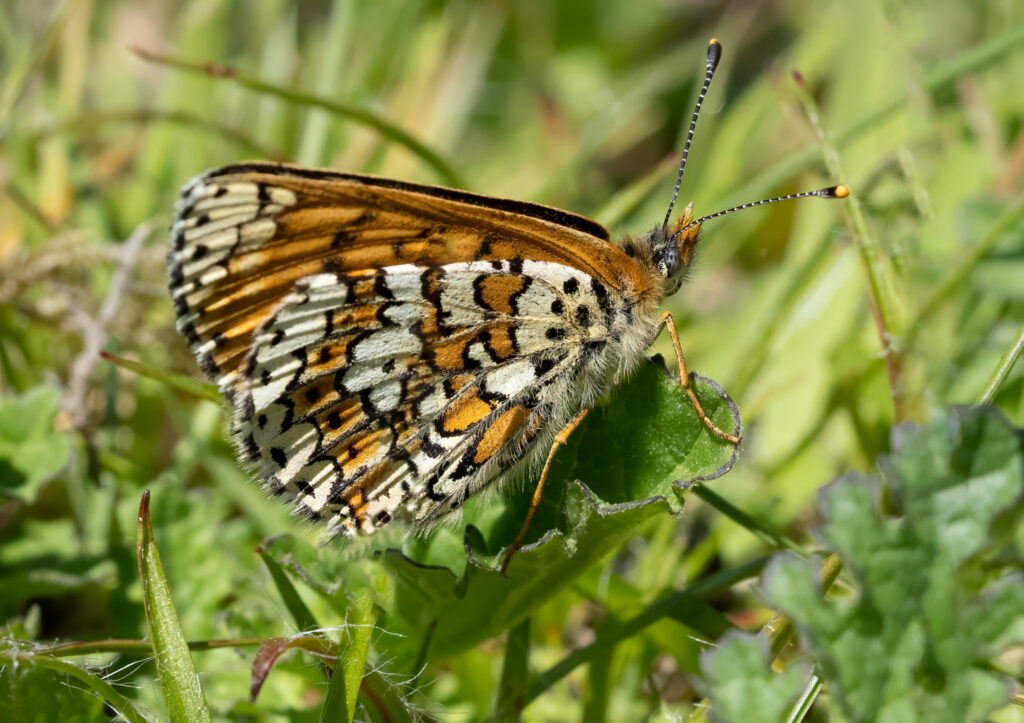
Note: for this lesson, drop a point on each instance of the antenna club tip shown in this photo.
(714, 52)
(840, 191)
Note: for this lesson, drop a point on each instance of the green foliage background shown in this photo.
(828, 323)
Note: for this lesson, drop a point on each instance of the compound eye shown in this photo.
(672, 261)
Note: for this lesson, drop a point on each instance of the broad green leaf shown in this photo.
(741, 685)
(939, 590)
(178, 678)
(31, 449)
(642, 445)
(618, 471)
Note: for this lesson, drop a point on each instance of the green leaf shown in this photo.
(618, 471)
(35, 688)
(182, 383)
(741, 684)
(939, 588)
(178, 678)
(621, 469)
(300, 612)
(348, 671)
(31, 449)
(514, 672)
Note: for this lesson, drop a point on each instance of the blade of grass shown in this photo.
(178, 381)
(178, 679)
(625, 201)
(300, 613)
(93, 122)
(803, 704)
(884, 294)
(121, 705)
(16, 80)
(514, 670)
(695, 593)
(385, 697)
(313, 146)
(941, 292)
(1002, 370)
(361, 115)
(343, 693)
(970, 61)
(597, 690)
(756, 527)
(755, 352)
(29, 207)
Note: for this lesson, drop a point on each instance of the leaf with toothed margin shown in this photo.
(620, 469)
(939, 593)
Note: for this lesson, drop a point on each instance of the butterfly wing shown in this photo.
(243, 235)
(388, 348)
(405, 390)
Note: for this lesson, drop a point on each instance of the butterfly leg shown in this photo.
(669, 323)
(560, 439)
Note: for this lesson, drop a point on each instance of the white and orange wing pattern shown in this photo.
(390, 348)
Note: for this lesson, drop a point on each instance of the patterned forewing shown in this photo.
(244, 235)
(400, 391)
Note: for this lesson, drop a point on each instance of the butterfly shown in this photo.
(389, 349)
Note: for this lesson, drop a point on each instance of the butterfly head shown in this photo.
(673, 249)
(668, 250)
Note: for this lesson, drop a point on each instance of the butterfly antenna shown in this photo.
(714, 55)
(830, 192)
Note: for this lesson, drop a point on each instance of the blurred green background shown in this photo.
(827, 322)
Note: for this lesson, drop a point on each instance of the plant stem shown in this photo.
(654, 612)
(1014, 211)
(129, 645)
(969, 61)
(1002, 370)
(885, 299)
(772, 537)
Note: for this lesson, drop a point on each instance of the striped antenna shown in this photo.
(714, 55)
(831, 192)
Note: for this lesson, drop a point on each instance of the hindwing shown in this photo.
(403, 390)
